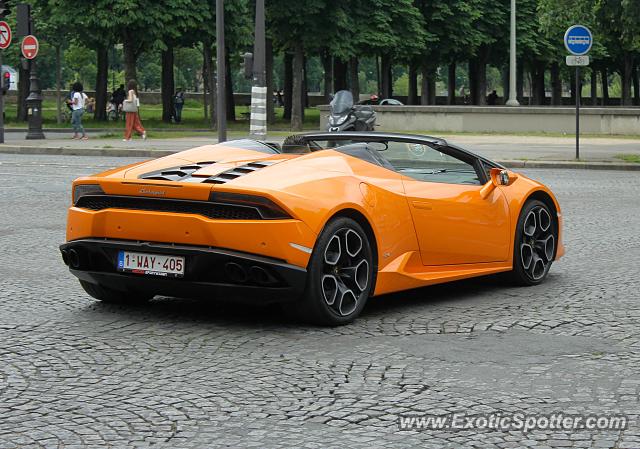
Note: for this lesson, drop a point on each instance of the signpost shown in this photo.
(5, 41)
(578, 41)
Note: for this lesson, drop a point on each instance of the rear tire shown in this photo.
(110, 296)
(340, 276)
(535, 244)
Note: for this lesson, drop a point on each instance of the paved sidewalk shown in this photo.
(515, 151)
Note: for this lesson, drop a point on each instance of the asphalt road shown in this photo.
(187, 374)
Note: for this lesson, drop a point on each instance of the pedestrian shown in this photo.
(280, 98)
(117, 98)
(178, 104)
(131, 106)
(492, 98)
(78, 100)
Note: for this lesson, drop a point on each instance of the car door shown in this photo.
(453, 223)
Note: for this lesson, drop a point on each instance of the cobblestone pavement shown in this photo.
(189, 374)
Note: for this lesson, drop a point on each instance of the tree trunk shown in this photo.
(58, 84)
(327, 64)
(538, 82)
(23, 93)
(339, 74)
(478, 79)
(354, 79)
(481, 81)
(298, 79)
(424, 86)
(594, 87)
(387, 79)
(231, 104)
(432, 88)
(288, 85)
(378, 77)
(168, 84)
(636, 85)
(271, 112)
(205, 84)
(504, 80)
(520, 81)
(412, 98)
(627, 67)
(102, 82)
(212, 84)
(604, 78)
(305, 87)
(428, 85)
(130, 57)
(556, 85)
(451, 92)
(473, 80)
(572, 81)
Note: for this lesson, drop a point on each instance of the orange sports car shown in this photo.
(321, 223)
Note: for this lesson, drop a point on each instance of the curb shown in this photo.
(146, 153)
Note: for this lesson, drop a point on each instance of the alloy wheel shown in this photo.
(345, 272)
(537, 244)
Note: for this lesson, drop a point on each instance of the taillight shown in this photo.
(267, 208)
(86, 189)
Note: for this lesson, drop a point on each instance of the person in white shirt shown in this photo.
(78, 100)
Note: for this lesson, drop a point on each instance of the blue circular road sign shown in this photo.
(578, 40)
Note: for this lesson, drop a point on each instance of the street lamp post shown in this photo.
(513, 96)
(221, 71)
(259, 94)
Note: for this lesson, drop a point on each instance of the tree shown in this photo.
(555, 16)
(620, 20)
(450, 24)
(295, 27)
(381, 27)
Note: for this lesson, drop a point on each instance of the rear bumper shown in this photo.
(209, 272)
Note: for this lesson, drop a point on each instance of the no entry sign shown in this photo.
(30, 47)
(5, 35)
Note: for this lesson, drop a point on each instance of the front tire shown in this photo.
(110, 296)
(535, 244)
(340, 275)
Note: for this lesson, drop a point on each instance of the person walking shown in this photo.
(78, 100)
(131, 106)
(178, 104)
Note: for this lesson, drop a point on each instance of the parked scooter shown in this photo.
(344, 115)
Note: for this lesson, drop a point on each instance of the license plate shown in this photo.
(151, 264)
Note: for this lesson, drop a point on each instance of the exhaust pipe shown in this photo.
(65, 257)
(261, 276)
(74, 258)
(236, 272)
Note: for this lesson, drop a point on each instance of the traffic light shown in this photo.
(5, 8)
(6, 82)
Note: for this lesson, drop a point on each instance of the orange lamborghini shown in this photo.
(321, 223)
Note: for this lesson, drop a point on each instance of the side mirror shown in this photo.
(499, 177)
(502, 177)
